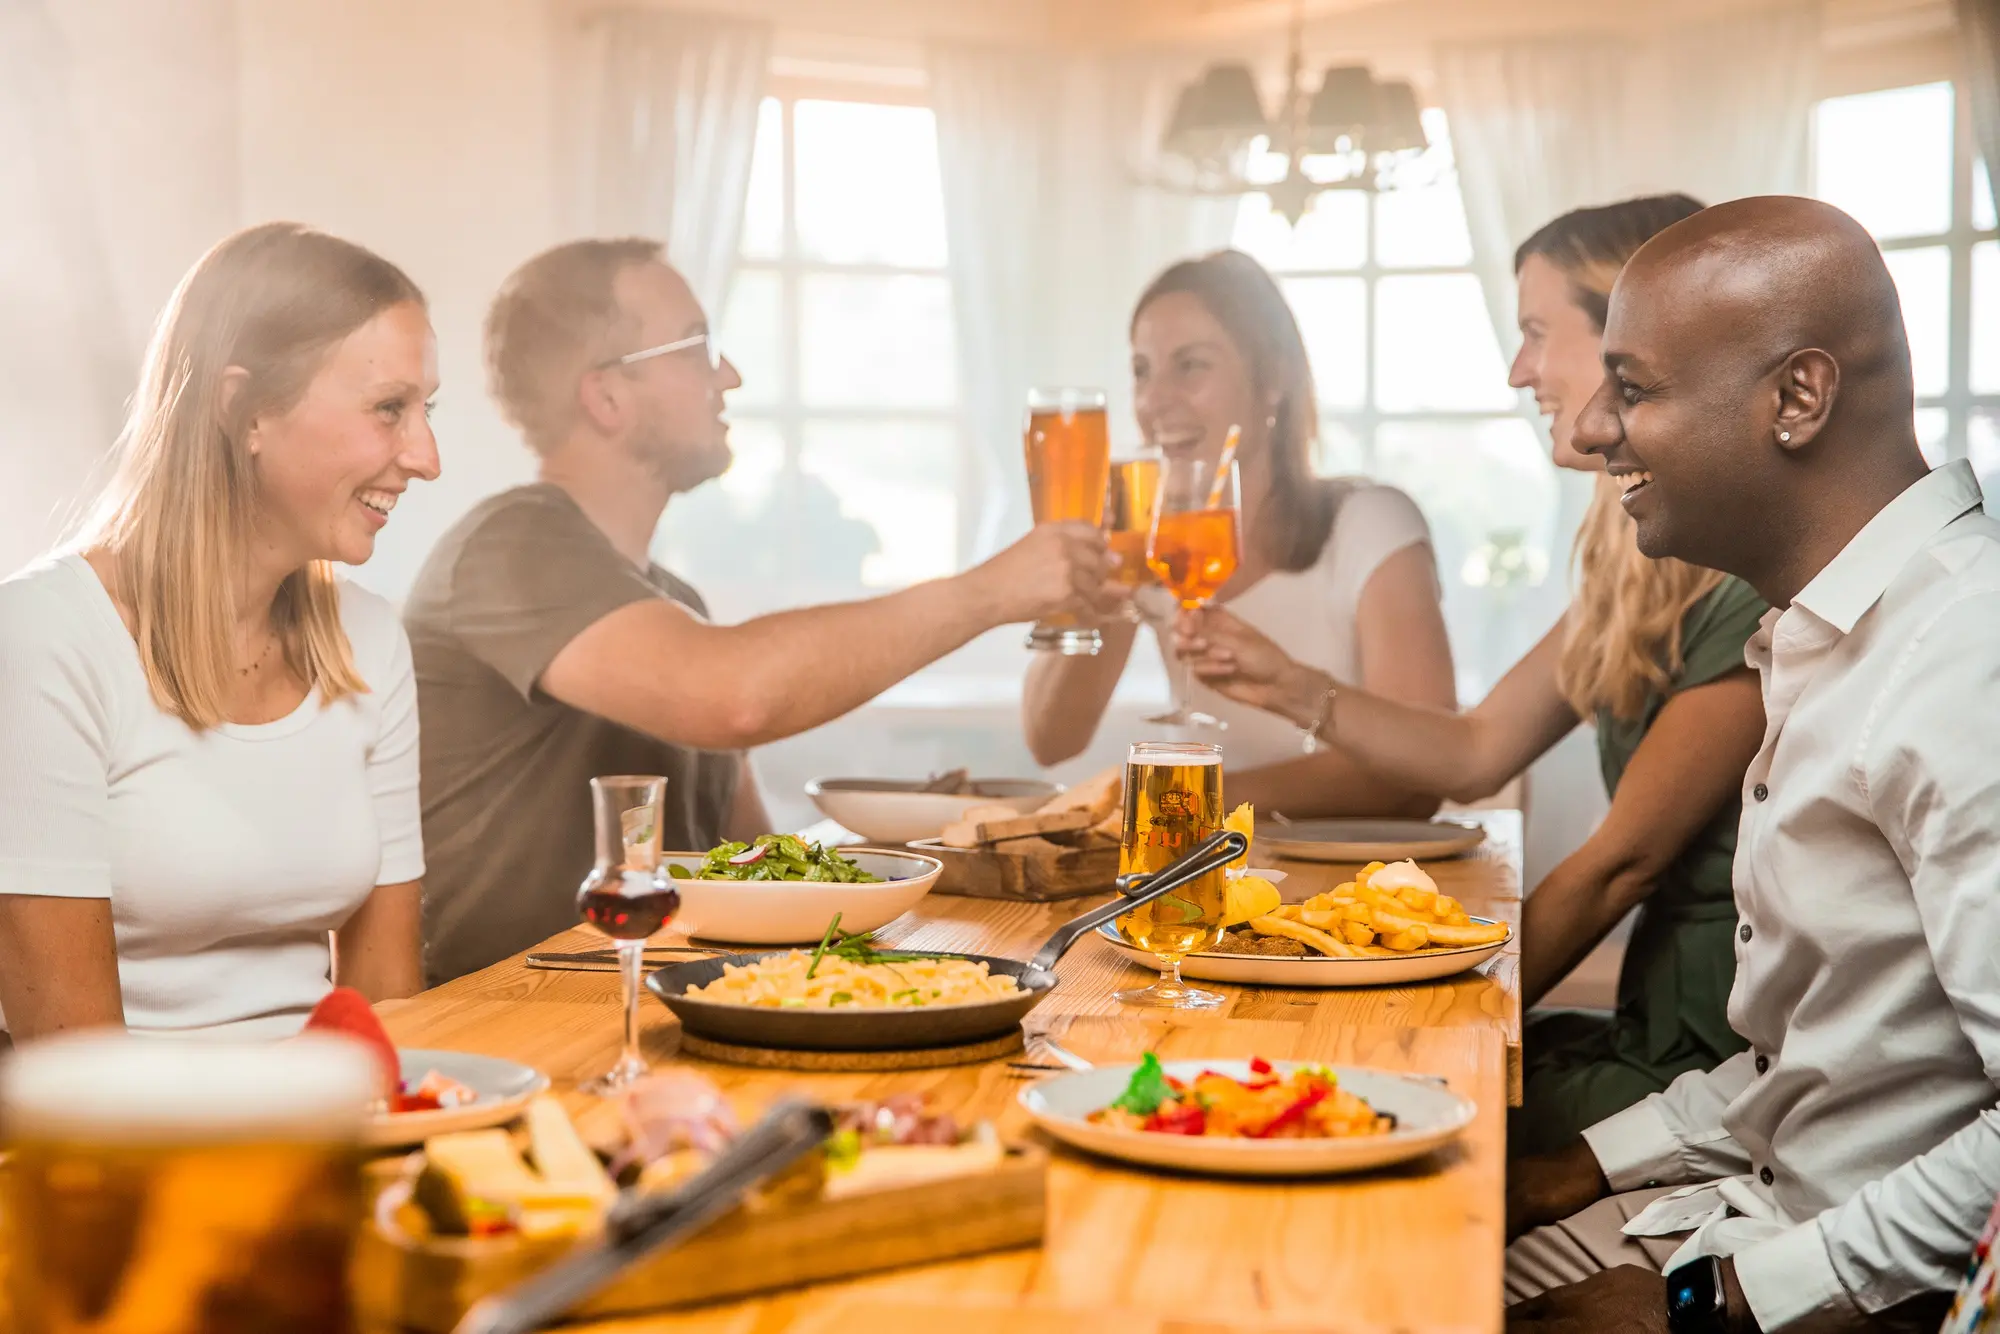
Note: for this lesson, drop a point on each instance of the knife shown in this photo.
(638, 1225)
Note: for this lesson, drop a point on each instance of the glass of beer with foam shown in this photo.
(174, 1186)
(1068, 445)
(1173, 802)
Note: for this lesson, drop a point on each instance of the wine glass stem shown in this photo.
(631, 965)
(1187, 684)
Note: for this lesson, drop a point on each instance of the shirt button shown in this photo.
(1743, 933)
(1760, 792)
(1767, 1176)
(1763, 1064)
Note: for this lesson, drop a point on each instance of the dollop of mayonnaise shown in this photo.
(1402, 875)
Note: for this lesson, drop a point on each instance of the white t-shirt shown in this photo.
(1309, 613)
(228, 855)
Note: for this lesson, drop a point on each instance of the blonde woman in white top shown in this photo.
(208, 741)
(1340, 571)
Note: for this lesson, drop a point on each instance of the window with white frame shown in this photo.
(1903, 163)
(839, 318)
(1413, 388)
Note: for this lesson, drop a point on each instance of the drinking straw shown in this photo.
(1222, 467)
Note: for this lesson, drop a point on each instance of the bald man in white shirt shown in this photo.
(1758, 407)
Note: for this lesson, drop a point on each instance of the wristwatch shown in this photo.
(1697, 1302)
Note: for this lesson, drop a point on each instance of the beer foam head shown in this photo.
(122, 1088)
(1174, 752)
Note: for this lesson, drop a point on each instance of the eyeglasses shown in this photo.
(678, 345)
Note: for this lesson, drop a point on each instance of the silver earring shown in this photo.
(1784, 435)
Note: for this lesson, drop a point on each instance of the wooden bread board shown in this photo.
(429, 1284)
(1031, 869)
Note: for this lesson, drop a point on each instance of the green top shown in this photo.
(1681, 987)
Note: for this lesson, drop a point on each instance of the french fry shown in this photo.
(1358, 933)
(1325, 921)
(1446, 907)
(1417, 899)
(1403, 942)
(1355, 912)
(1440, 933)
(1305, 935)
(1285, 911)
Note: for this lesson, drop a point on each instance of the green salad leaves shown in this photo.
(1146, 1090)
(775, 857)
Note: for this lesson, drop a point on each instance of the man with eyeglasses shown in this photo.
(550, 649)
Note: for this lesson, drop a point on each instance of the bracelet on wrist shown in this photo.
(1322, 717)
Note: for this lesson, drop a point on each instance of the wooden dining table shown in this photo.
(1412, 1248)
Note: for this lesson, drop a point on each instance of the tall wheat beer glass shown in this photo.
(1173, 801)
(181, 1187)
(1068, 445)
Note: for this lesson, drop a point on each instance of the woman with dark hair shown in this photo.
(1651, 651)
(1337, 570)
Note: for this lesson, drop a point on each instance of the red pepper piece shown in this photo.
(1186, 1118)
(1294, 1113)
(1259, 1066)
(346, 1011)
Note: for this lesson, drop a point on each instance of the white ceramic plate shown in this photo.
(504, 1088)
(795, 912)
(887, 811)
(1317, 970)
(1427, 1114)
(1369, 840)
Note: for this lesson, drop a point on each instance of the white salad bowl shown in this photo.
(796, 912)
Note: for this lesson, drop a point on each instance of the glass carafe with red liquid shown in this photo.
(628, 896)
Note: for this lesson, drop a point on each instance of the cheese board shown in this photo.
(1030, 869)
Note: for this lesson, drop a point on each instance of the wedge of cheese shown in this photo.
(562, 1159)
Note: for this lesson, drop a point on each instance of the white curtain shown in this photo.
(65, 370)
(1979, 25)
(675, 121)
(1050, 237)
(1717, 111)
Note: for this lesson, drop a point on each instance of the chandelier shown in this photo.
(1356, 131)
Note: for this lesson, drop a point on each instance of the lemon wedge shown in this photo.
(1250, 896)
(1242, 820)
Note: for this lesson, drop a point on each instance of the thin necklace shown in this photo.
(268, 642)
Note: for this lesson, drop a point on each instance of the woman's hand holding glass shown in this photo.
(1237, 661)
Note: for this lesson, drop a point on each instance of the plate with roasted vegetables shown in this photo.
(1252, 1118)
(782, 890)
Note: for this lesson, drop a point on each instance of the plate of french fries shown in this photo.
(1388, 925)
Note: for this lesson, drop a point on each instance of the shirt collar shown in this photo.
(1855, 580)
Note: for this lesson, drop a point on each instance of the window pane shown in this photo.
(868, 186)
(1986, 318)
(1421, 223)
(1886, 158)
(1982, 447)
(1333, 319)
(1332, 235)
(751, 335)
(1934, 434)
(1923, 281)
(886, 510)
(724, 538)
(1982, 197)
(876, 341)
(1342, 452)
(764, 207)
(1434, 346)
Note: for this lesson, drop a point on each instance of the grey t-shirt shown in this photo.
(507, 769)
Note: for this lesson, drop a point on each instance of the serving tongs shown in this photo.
(1136, 889)
(638, 1225)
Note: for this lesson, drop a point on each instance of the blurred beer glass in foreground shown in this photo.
(1068, 444)
(182, 1187)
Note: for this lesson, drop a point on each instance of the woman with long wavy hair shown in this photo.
(208, 739)
(1652, 653)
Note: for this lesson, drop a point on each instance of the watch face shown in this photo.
(1694, 1296)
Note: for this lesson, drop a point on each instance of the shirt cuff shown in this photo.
(1635, 1148)
(1789, 1280)
(55, 879)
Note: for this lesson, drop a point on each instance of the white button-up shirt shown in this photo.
(1854, 1150)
